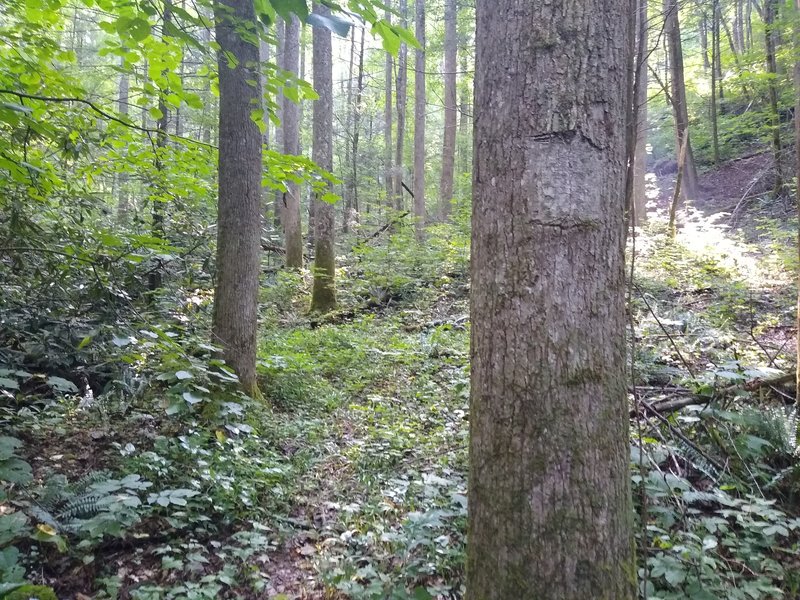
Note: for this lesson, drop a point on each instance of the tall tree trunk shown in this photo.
(154, 278)
(639, 200)
(235, 322)
(323, 296)
(679, 106)
(123, 194)
(549, 495)
(450, 110)
(280, 35)
(704, 38)
(796, 33)
(357, 120)
(770, 9)
(464, 144)
(714, 81)
(419, 121)
(401, 95)
(387, 123)
(291, 145)
(348, 137)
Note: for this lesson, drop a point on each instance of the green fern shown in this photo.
(61, 504)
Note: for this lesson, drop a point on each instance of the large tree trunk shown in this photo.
(419, 122)
(323, 297)
(450, 110)
(770, 8)
(291, 145)
(679, 106)
(549, 496)
(401, 83)
(235, 323)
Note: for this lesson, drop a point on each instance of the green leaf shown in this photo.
(191, 398)
(139, 29)
(182, 375)
(286, 8)
(62, 385)
(8, 384)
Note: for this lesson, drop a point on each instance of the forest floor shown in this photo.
(353, 483)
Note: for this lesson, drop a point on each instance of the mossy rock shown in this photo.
(32, 592)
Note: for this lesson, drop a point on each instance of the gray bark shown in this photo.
(291, 145)
(549, 497)
(679, 105)
(401, 97)
(419, 122)
(387, 122)
(235, 322)
(450, 110)
(123, 99)
(323, 297)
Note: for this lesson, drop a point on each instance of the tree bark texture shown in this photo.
(323, 296)
(770, 10)
(450, 110)
(419, 121)
(280, 35)
(679, 105)
(401, 97)
(123, 99)
(235, 321)
(640, 98)
(549, 498)
(291, 145)
(154, 278)
(387, 122)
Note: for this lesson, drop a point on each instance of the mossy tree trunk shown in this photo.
(323, 297)
(549, 495)
(235, 321)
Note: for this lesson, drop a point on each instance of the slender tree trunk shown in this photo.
(676, 194)
(357, 120)
(291, 145)
(401, 95)
(679, 104)
(549, 495)
(419, 121)
(235, 322)
(280, 35)
(714, 81)
(748, 25)
(464, 144)
(704, 38)
(348, 135)
(387, 123)
(770, 8)
(323, 297)
(154, 278)
(450, 110)
(639, 200)
(123, 194)
(797, 175)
